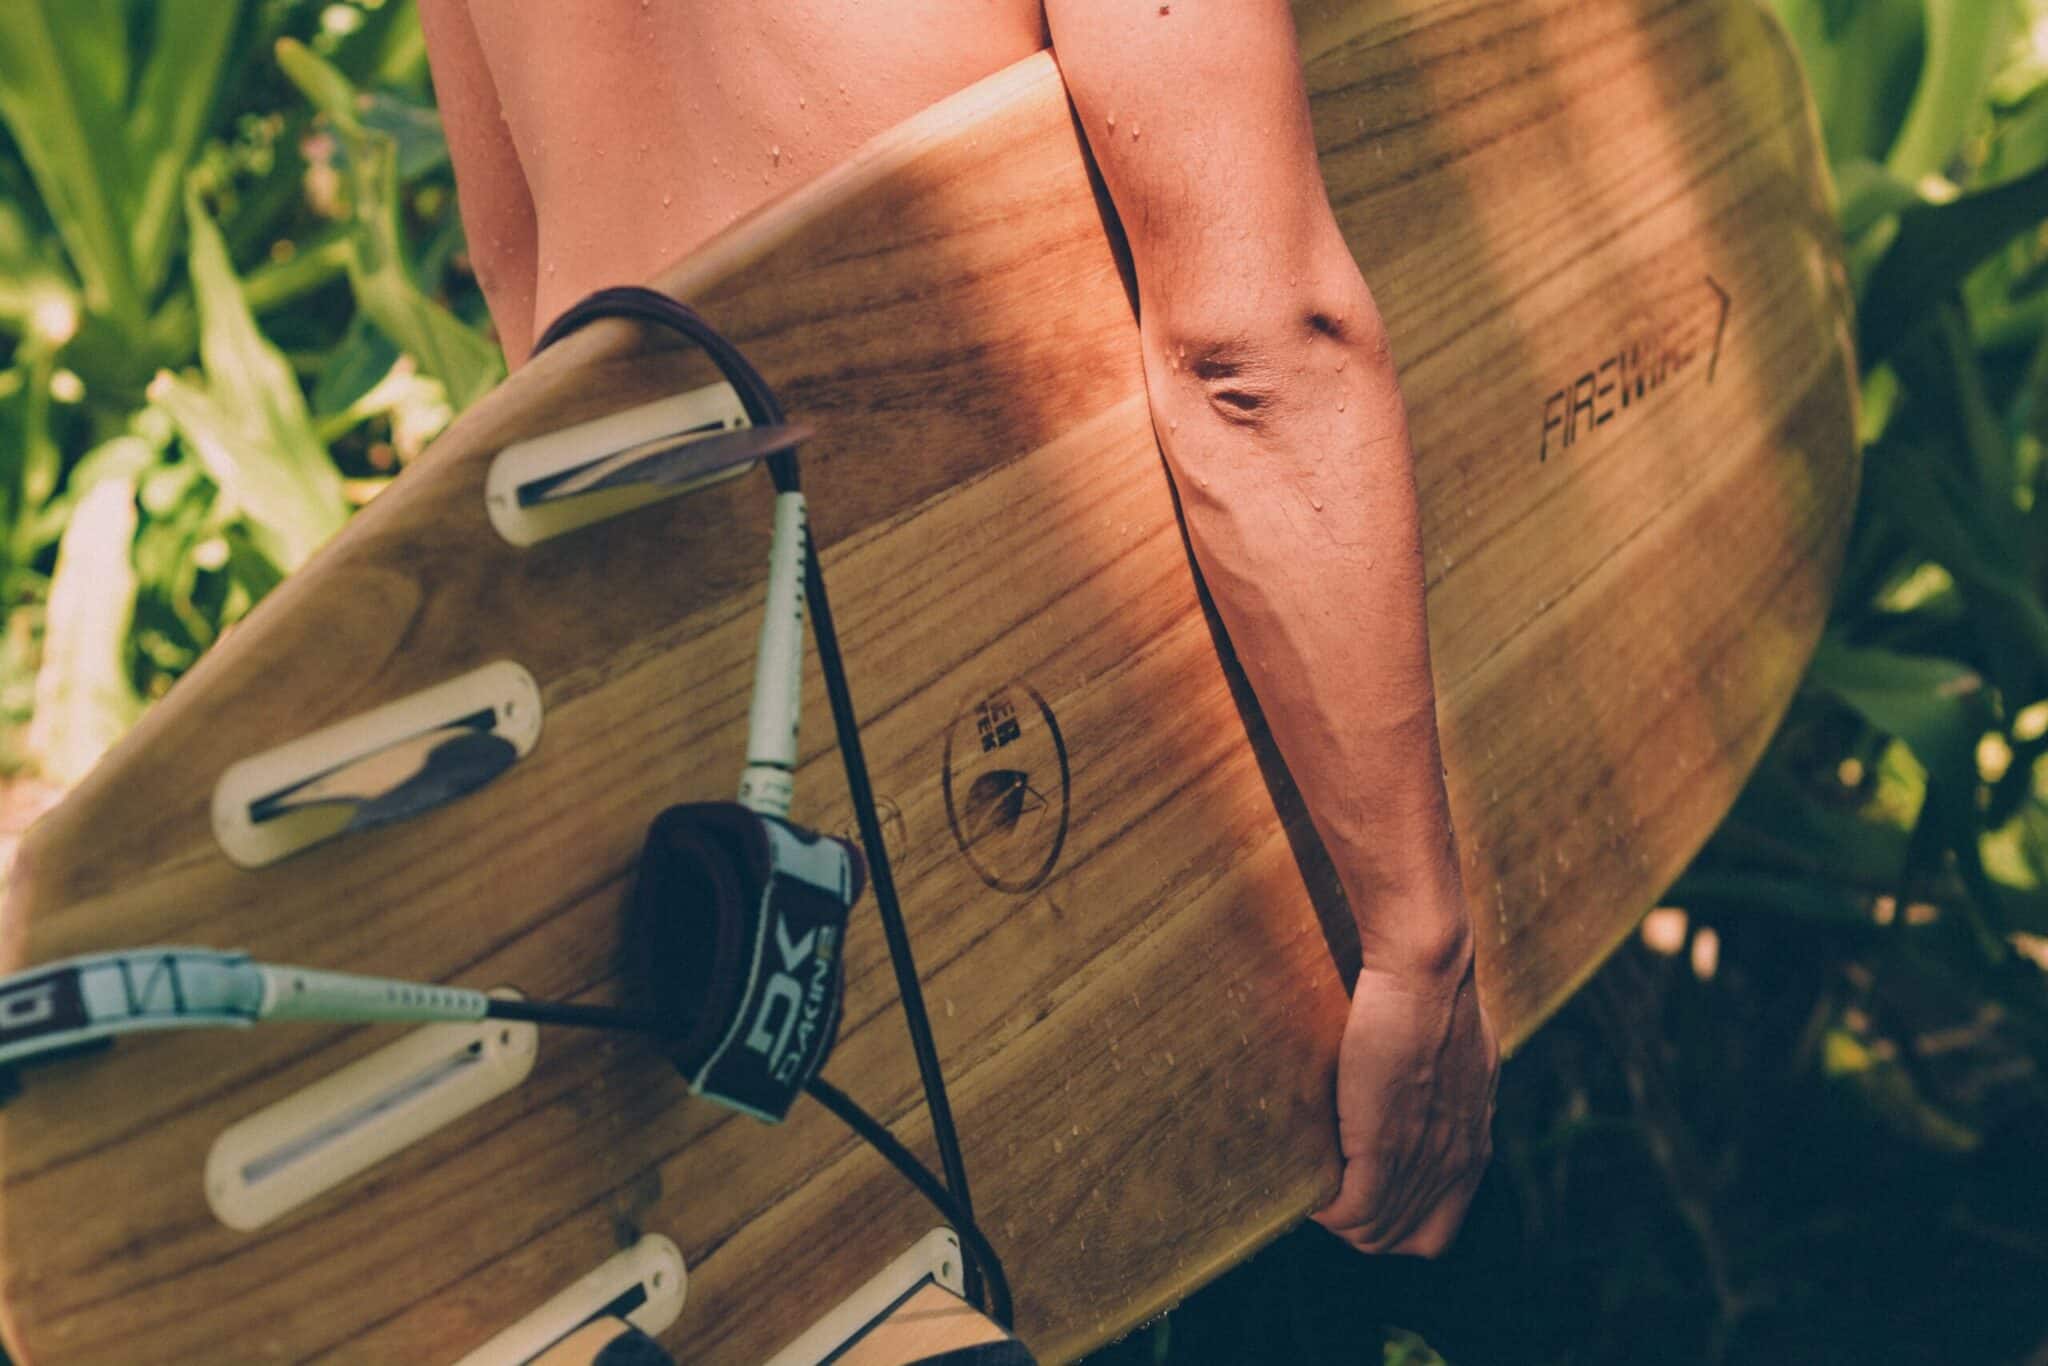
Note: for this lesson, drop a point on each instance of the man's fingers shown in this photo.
(1440, 1230)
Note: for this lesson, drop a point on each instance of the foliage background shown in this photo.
(1800, 1121)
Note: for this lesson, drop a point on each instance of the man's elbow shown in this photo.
(1256, 361)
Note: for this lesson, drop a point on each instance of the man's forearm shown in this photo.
(1289, 447)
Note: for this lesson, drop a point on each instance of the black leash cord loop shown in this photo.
(762, 407)
(980, 1254)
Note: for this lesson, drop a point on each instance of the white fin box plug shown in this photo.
(270, 1163)
(387, 765)
(644, 1285)
(538, 460)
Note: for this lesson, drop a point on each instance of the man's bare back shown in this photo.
(730, 103)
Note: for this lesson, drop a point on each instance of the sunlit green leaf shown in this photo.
(54, 97)
(84, 699)
(1966, 45)
(1863, 64)
(445, 349)
(249, 425)
(179, 88)
(1936, 706)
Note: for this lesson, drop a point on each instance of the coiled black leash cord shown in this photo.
(762, 408)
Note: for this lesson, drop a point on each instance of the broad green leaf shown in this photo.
(249, 426)
(444, 348)
(414, 130)
(1862, 63)
(1937, 246)
(1776, 824)
(2019, 142)
(72, 140)
(1939, 366)
(1867, 192)
(1936, 706)
(353, 369)
(177, 93)
(84, 699)
(1966, 44)
(1938, 709)
(1929, 499)
(288, 524)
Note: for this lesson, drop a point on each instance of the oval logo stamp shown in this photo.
(1007, 787)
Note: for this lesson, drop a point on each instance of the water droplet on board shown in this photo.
(1058, 1147)
(949, 1008)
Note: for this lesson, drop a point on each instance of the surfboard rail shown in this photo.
(1599, 233)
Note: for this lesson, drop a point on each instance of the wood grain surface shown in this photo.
(1549, 197)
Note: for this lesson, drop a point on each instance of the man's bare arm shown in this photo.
(497, 210)
(1276, 404)
(1278, 410)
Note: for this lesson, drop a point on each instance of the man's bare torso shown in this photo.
(644, 129)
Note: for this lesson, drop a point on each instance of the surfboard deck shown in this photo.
(1133, 983)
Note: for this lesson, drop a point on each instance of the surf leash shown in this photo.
(772, 719)
(732, 950)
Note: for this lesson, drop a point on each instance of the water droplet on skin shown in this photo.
(1173, 425)
(1134, 132)
(1316, 503)
(775, 154)
(1112, 121)
(1340, 405)
(1342, 361)
(665, 199)
(800, 102)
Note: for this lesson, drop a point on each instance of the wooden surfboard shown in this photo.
(1600, 235)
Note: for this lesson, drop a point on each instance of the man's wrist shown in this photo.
(1414, 923)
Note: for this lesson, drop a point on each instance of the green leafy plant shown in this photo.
(230, 285)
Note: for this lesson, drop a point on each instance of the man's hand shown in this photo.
(1415, 1083)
